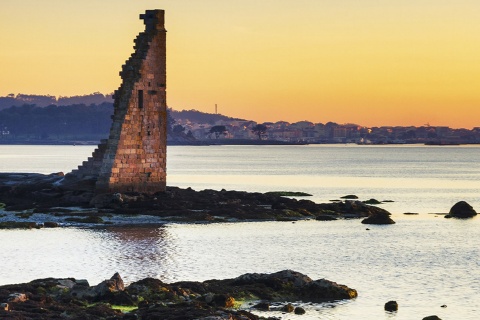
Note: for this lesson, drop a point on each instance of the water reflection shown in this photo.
(142, 251)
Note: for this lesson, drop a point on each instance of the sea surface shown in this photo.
(423, 261)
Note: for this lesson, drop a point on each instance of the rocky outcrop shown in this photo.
(461, 210)
(58, 298)
(54, 193)
(379, 218)
(391, 306)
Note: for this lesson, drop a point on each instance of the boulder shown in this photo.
(391, 306)
(431, 318)
(372, 201)
(461, 210)
(349, 196)
(81, 289)
(379, 218)
(115, 284)
(288, 308)
(299, 311)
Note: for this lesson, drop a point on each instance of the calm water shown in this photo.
(423, 261)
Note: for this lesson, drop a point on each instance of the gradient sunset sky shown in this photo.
(370, 62)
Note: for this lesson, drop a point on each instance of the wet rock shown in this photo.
(88, 219)
(4, 306)
(288, 308)
(114, 284)
(18, 225)
(325, 218)
(372, 201)
(391, 306)
(17, 297)
(263, 306)
(50, 224)
(299, 310)
(461, 210)
(379, 218)
(223, 301)
(350, 196)
(431, 318)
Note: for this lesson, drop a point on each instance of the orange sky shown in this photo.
(369, 62)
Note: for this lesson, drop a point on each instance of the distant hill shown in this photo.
(200, 117)
(20, 99)
(29, 123)
(52, 123)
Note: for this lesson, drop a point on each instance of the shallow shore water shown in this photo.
(423, 261)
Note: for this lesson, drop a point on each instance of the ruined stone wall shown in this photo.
(134, 156)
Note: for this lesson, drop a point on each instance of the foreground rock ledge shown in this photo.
(153, 299)
(51, 193)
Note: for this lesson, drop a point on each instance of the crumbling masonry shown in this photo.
(133, 158)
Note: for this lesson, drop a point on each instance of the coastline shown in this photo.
(275, 294)
(64, 200)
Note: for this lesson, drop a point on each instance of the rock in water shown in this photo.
(431, 318)
(391, 306)
(461, 210)
(379, 218)
(299, 310)
(288, 308)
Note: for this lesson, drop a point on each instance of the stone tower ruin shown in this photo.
(133, 158)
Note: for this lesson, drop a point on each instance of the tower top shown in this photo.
(154, 19)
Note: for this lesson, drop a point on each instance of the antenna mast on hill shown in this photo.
(216, 108)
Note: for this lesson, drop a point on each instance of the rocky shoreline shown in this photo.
(32, 197)
(149, 298)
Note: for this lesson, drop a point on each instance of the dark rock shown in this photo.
(391, 306)
(379, 218)
(50, 224)
(372, 201)
(462, 210)
(325, 218)
(288, 308)
(88, 219)
(263, 306)
(114, 284)
(350, 196)
(119, 298)
(17, 297)
(223, 301)
(18, 225)
(411, 213)
(299, 310)
(288, 194)
(431, 318)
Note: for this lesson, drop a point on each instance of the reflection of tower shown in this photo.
(134, 156)
(142, 251)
